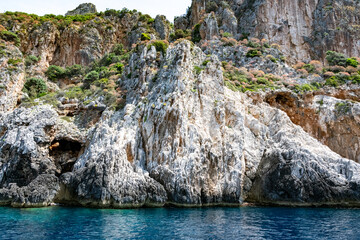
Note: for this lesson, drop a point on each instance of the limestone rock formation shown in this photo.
(162, 26)
(29, 161)
(324, 115)
(12, 76)
(82, 9)
(305, 30)
(209, 28)
(70, 41)
(144, 122)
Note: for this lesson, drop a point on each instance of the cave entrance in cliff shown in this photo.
(284, 99)
(65, 153)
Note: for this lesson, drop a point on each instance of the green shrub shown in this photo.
(35, 87)
(263, 81)
(352, 62)
(75, 93)
(55, 72)
(118, 49)
(119, 67)
(160, 46)
(235, 76)
(50, 98)
(343, 77)
(304, 88)
(74, 70)
(253, 44)
(14, 61)
(342, 107)
(111, 12)
(309, 68)
(101, 82)
(227, 35)
(198, 69)
(195, 34)
(335, 58)
(266, 45)
(316, 85)
(109, 59)
(30, 60)
(253, 53)
(146, 18)
(333, 81)
(271, 58)
(356, 79)
(205, 63)
(145, 37)
(179, 33)
(104, 72)
(90, 78)
(10, 37)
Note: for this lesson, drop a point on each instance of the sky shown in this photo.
(169, 8)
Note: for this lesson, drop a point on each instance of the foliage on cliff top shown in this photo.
(10, 37)
(33, 18)
(160, 45)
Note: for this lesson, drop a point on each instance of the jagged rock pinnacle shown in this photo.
(82, 9)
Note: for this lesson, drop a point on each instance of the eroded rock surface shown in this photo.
(178, 134)
(176, 143)
(304, 29)
(84, 8)
(12, 76)
(333, 121)
(28, 170)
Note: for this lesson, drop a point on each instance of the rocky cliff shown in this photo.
(120, 110)
(305, 30)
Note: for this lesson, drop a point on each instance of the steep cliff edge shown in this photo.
(79, 39)
(183, 138)
(122, 118)
(304, 29)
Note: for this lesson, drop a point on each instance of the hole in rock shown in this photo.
(64, 153)
(285, 100)
(281, 99)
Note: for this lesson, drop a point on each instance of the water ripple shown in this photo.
(172, 223)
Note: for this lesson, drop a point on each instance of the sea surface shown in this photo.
(174, 223)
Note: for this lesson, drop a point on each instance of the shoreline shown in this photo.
(184, 206)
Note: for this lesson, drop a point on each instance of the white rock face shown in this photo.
(12, 78)
(28, 167)
(183, 138)
(340, 120)
(288, 23)
(188, 140)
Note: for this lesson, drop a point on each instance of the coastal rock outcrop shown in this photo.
(222, 120)
(325, 116)
(82, 9)
(175, 143)
(28, 164)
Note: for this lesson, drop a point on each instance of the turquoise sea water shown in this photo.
(173, 223)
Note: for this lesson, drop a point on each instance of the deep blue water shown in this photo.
(173, 223)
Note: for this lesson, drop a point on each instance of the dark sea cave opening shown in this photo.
(65, 153)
